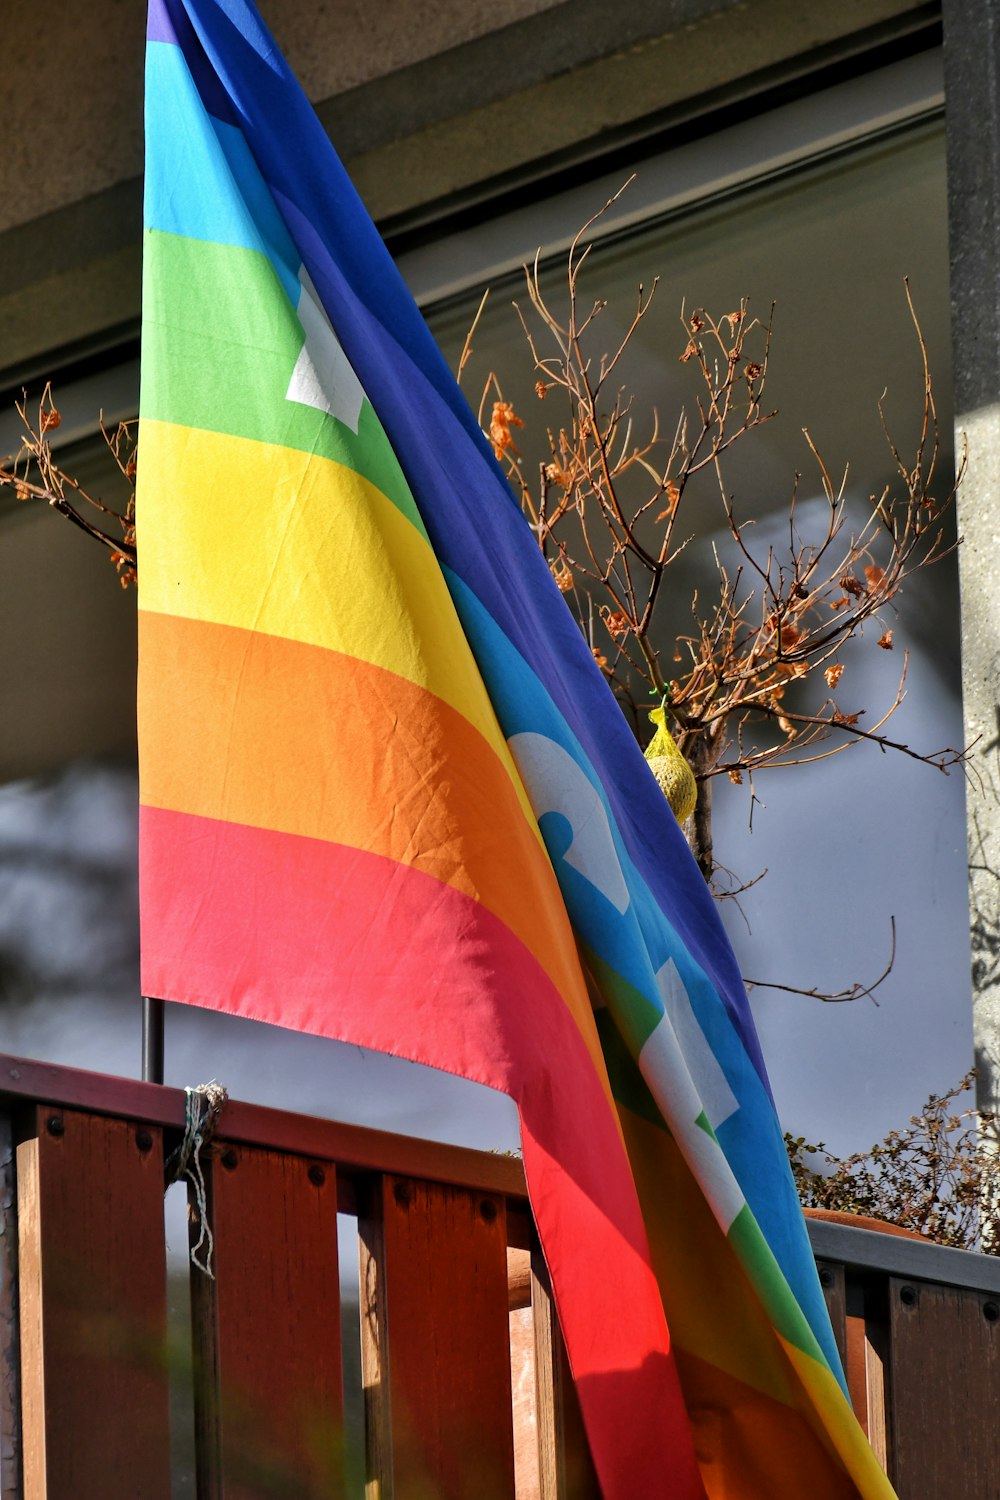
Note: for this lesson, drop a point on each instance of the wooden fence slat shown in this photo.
(831, 1279)
(10, 1358)
(268, 1384)
(856, 1349)
(435, 1351)
(856, 1304)
(565, 1468)
(522, 1375)
(878, 1374)
(92, 1279)
(548, 1385)
(945, 1354)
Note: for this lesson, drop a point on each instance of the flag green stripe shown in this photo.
(758, 1260)
(635, 1016)
(627, 1083)
(201, 367)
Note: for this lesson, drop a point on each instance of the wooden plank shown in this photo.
(855, 1349)
(945, 1374)
(857, 1314)
(10, 1356)
(832, 1280)
(877, 1370)
(522, 1374)
(565, 1467)
(548, 1385)
(435, 1352)
(374, 1348)
(92, 1278)
(352, 1147)
(859, 1317)
(527, 1479)
(268, 1388)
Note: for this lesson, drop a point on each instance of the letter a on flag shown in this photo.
(387, 796)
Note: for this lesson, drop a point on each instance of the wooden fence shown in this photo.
(462, 1392)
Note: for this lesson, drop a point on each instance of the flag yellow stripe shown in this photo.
(843, 1432)
(292, 544)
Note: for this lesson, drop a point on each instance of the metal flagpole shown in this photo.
(152, 1040)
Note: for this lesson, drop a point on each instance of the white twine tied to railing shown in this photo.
(201, 1116)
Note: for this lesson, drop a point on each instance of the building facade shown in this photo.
(810, 153)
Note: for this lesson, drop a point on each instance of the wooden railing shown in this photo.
(463, 1391)
(918, 1327)
(451, 1309)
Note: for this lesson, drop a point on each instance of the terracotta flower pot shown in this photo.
(861, 1221)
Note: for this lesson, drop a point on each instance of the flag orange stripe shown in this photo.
(742, 1436)
(355, 755)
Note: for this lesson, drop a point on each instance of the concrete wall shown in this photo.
(73, 123)
(972, 53)
(424, 99)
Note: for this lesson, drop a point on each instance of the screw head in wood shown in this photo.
(316, 1175)
(991, 1312)
(55, 1125)
(908, 1296)
(144, 1140)
(401, 1193)
(229, 1159)
(487, 1210)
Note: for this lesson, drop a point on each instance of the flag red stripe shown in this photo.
(350, 944)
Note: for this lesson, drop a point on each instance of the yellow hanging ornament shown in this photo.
(672, 772)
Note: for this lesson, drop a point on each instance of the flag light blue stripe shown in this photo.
(242, 78)
(201, 180)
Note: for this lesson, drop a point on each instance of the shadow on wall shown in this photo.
(69, 913)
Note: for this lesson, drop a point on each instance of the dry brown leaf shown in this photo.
(563, 575)
(618, 623)
(503, 419)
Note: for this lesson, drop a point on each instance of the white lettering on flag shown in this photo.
(323, 376)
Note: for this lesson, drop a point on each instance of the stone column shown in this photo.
(972, 103)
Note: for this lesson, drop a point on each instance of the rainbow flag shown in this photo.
(387, 796)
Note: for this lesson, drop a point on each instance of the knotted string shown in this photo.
(201, 1116)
